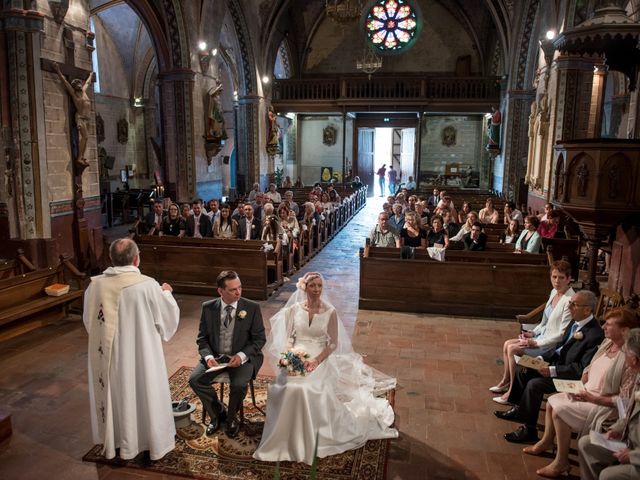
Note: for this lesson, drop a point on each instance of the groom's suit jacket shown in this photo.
(248, 332)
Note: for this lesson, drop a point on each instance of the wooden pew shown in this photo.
(24, 305)
(464, 256)
(191, 265)
(487, 289)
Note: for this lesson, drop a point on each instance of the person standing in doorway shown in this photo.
(393, 176)
(382, 171)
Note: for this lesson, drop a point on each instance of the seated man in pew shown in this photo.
(258, 205)
(249, 227)
(214, 210)
(153, 220)
(288, 196)
(476, 239)
(198, 224)
(383, 234)
(566, 362)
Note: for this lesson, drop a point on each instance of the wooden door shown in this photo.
(365, 157)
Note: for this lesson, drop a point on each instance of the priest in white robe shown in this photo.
(127, 315)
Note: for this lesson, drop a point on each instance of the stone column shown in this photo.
(597, 97)
(20, 29)
(177, 132)
(516, 141)
(248, 146)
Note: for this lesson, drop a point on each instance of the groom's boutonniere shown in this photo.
(242, 314)
(578, 335)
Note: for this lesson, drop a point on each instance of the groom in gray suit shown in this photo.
(231, 331)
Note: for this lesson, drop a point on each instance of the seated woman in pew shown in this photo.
(602, 379)
(447, 204)
(546, 334)
(423, 214)
(464, 211)
(185, 211)
(173, 224)
(529, 240)
(437, 236)
(488, 214)
(225, 226)
(472, 217)
(310, 217)
(549, 227)
(511, 233)
(288, 222)
(411, 234)
(272, 231)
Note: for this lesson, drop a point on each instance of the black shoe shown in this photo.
(232, 428)
(216, 422)
(523, 434)
(511, 414)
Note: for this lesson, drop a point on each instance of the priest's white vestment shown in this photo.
(127, 316)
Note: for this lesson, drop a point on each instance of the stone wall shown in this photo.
(467, 151)
(313, 153)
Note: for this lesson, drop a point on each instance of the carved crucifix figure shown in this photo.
(77, 90)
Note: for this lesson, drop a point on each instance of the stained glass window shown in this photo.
(391, 25)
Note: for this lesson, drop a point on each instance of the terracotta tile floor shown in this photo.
(443, 366)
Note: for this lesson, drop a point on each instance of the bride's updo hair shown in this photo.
(306, 278)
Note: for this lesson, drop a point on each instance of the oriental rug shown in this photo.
(219, 457)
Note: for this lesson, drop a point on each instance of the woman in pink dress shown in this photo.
(602, 378)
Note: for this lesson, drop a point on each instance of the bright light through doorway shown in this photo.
(382, 152)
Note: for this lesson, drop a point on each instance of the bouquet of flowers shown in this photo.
(293, 360)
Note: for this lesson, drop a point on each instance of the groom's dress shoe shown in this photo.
(232, 428)
(216, 422)
(511, 414)
(522, 435)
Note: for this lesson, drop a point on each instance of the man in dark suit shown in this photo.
(567, 362)
(231, 331)
(249, 227)
(198, 224)
(153, 220)
(476, 239)
(433, 200)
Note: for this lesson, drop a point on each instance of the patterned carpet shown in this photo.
(219, 457)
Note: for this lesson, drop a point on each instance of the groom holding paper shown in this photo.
(567, 362)
(232, 333)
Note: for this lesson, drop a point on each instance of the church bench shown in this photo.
(274, 260)
(463, 256)
(24, 305)
(496, 290)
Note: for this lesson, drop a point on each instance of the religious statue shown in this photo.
(216, 131)
(78, 93)
(614, 181)
(273, 140)
(494, 129)
(583, 178)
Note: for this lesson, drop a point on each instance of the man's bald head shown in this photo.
(123, 252)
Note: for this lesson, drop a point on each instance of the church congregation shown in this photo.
(342, 239)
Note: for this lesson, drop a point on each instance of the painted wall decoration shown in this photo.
(329, 135)
(449, 135)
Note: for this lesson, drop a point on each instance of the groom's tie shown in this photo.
(227, 317)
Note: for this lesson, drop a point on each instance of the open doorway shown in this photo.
(379, 148)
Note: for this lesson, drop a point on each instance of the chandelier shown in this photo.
(343, 11)
(369, 63)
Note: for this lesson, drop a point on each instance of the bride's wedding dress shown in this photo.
(336, 401)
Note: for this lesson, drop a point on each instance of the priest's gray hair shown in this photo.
(632, 344)
(122, 252)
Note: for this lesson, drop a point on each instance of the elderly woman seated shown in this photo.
(546, 335)
(273, 194)
(602, 380)
(423, 214)
(623, 461)
(438, 236)
(397, 219)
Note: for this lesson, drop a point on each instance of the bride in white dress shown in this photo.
(336, 399)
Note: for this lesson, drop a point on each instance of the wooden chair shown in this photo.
(223, 379)
(609, 299)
